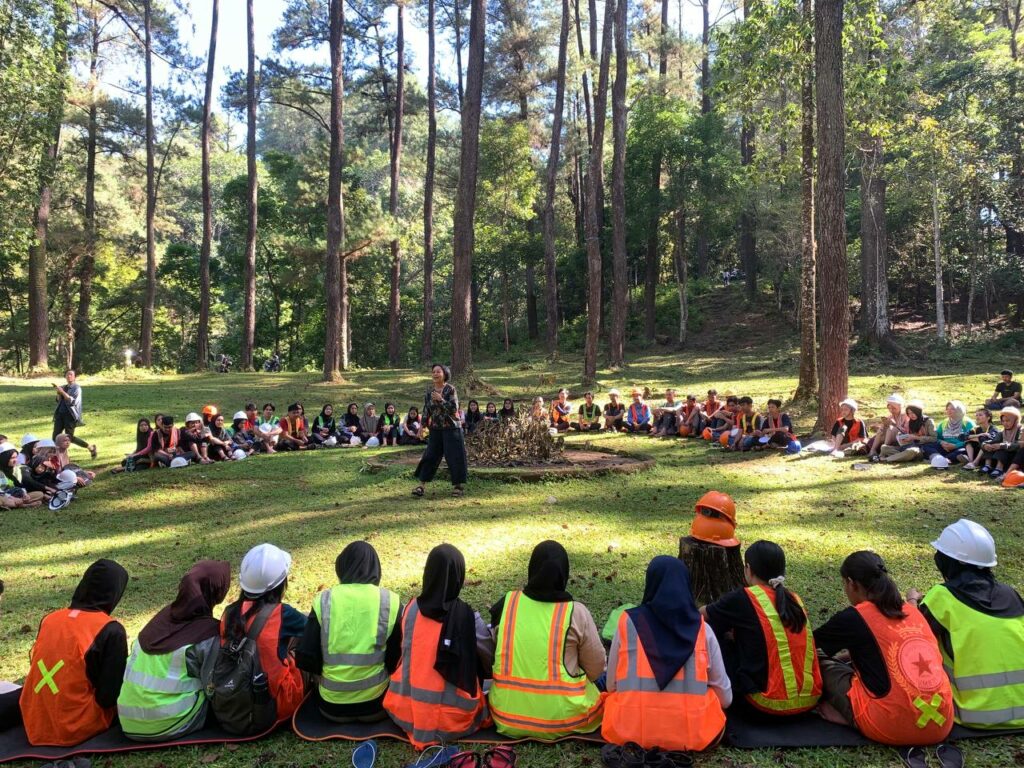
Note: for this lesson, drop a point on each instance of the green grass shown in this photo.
(157, 523)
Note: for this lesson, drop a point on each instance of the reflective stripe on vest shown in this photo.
(987, 666)
(632, 682)
(533, 693)
(797, 697)
(158, 697)
(350, 678)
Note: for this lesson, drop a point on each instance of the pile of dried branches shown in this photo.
(513, 442)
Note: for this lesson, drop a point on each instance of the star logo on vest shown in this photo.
(924, 667)
(919, 666)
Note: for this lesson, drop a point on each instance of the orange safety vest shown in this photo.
(918, 710)
(685, 715)
(792, 687)
(710, 406)
(769, 423)
(746, 423)
(421, 702)
(557, 415)
(854, 433)
(284, 679)
(58, 703)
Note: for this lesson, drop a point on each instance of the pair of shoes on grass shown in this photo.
(948, 755)
(632, 755)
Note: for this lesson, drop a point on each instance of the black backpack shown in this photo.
(237, 686)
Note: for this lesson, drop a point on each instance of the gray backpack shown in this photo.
(236, 684)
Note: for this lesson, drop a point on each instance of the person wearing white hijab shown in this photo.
(951, 433)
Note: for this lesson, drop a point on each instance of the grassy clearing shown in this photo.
(158, 523)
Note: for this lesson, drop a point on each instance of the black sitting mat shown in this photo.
(14, 744)
(308, 724)
(745, 732)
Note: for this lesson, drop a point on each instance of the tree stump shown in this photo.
(714, 570)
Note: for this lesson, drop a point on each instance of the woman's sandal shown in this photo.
(949, 756)
(418, 491)
(913, 757)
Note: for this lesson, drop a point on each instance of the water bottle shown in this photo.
(260, 689)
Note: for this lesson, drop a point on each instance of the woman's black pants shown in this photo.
(447, 444)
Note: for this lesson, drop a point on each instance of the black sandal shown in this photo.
(913, 757)
(949, 756)
(418, 491)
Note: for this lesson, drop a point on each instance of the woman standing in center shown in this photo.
(446, 440)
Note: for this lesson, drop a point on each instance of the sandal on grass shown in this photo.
(500, 757)
(913, 757)
(949, 756)
(418, 490)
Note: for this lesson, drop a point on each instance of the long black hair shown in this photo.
(767, 561)
(236, 620)
(868, 569)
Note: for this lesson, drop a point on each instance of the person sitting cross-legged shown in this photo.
(614, 412)
(638, 415)
(589, 418)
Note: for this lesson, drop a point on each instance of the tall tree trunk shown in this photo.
(835, 310)
(428, 188)
(940, 315)
(395, 307)
(594, 202)
(149, 306)
(748, 216)
(203, 337)
(705, 109)
(88, 266)
(252, 196)
(334, 334)
(585, 77)
(550, 186)
(620, 286)
(679, 258)
(345, 332)
(532, 323)
(807, 385)
(873, 245)
(458, 49)
(465, 198)
(653, 262)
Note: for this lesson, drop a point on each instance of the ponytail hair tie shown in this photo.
(776, 582)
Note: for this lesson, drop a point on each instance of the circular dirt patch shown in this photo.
(577, 462)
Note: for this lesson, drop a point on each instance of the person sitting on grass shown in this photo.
(1008, 392)
(951, 434)
(446, 647)
(242, 437)
(472, 417)
(589, 418)
(264, 579)
(21, 469)
(666, 416)
(389, 425)
(691, 418)
(537, 412)
(848, 433)
(412, 428)
(356, 619)
(984, 432)
(293, 435)
(776, 426)
(909, 445)
(191, 443)
(711, 404)
(508, 409)
(614, 412)
(979, 625)
(999, 454)
(561, 410)
(368, 426)
(164, 443)
(142, 457)
(219, 443)
(667, 683)
(63, 461)
(881, 666)
(28, 448)
(893, 423)
(14, 492)
(324, 426)
(526, 625)
(723, 420)
(782, 681)
(352, 428)
(490, 412)
(163, 697)
(77, 663)
(638, 415)
(746, 421)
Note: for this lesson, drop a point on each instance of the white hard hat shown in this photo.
(29, 438)
(179, 461)
(60, 499)
(46, 443)
(895, 397)
(939, 461)
(239, 454)
(1011, 410)
(67, 476)
(331, 441)
(967, 542)
(193, 417)
(373, 442)
(5, 447)
(849, 402)
(239, 415)
(263, 568)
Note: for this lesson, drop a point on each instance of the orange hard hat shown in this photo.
(724, 439)
(685, 431)
(706, 434)
(1013, 479)
(210, 410)
(714, 530)
(719, 502)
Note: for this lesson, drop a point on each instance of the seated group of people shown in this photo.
(33, 474)
(902, 672)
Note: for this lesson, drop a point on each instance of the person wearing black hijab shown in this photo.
(665, 638)
(186, 625)
(979, 624)
(528, 623)
(452, 666)
(354, 603)
(44, 713)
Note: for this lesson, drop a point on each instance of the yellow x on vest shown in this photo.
(47, 678)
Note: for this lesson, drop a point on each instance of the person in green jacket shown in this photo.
(162, 696)
(979, 624)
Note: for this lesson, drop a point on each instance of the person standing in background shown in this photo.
(68, 415)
